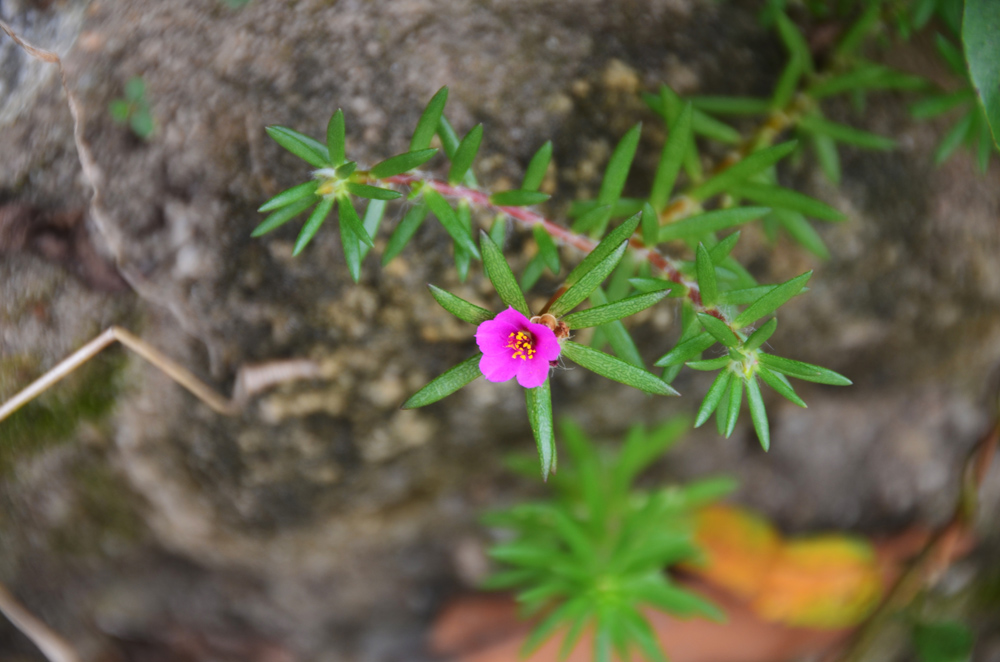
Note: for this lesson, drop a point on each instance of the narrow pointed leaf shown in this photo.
(650, 225)
(686, 349)
(568, 611)
(715, 392)
(539, 403)
(785, 198)
(758, 414)
(289, 196)
(428, 122)
(719, 330)
(404, 231)
(546, 248)
(788, 83)
(781, 386)
(938, 105)
(954, 138)
(372, 192)
(608, 245)
(589, 282)
(845, 134)
(615, 369)
(770, 302)
(445, 384)
(308, 149)
(615, 333)
(313, 224)
(535, 174)
(794, 40)
(532, 272)
(449, 219)
(804, 371)
(761, 335)
(397, 165)
(798, 227)
(826, 153)
(733, 403)
(344, 170)
(710, 364)
(459, 307)
(721, 250)
(671, 159)
(350, 216)
(706, 276)
(593, 218)
(335, 138)
(744, 295)
(711, 128)
(352, 250)
(465, 154)
(499, 273)
(284, 215)
(694, 227)
(618, 167)
(731, 105)
(654, 285)
(613, 311)
(374, 214)
(518, 198)
(743, 170)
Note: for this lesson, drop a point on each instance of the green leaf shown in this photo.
(781, 385)
(499, 273)
(715, 392)
(428, 122)
(373, 219)
(794, 41)
(744, 295)
(539, 402)
(785, 198)
(348, 215)
(589, 282)
(141, 122)
(445, 384)
(568, 611)
(954, 138)
(335, 138)
(686, 349)
(372, 192)
(607, 246)
(535, 174)
(981, 40)
(719, 330)
(938, 105)
(546, 248)
(947, 641)
(706, 276)
(615, 369)
(951, 54)
(593, 218)
(465, 154)
(309, 150)
(731, 105)
(826, 153)
(761, 335)
(713, 129)
(404, 231)
(801, 231)
(676, 601)
(313, 223)
(397, 165)
(671, 159)
(733, 402)
(135, 89)
(865, 77)
(460, 308)
(449, 219)
(532, 272)
(615, 333)
(344, 170)
(352, 250)
(284, 215)
(518, 198)
(845, 134)
(641, 632)
(804, 371)
(654, 285)
(618, 167)
(120, 110)
(856, 34)
(613, 311)
(710, 365)
(289, 196)
(771, 301)
(712, 221)
(721, 250)
(758, 414)
(743, 170)
(788, 83)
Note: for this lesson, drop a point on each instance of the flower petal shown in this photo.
(498, 368)
(512, 317)
(532, 373)
(546, 344)
(492, 336)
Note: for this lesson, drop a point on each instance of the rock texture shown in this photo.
(324, 523)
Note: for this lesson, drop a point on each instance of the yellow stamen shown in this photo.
(520, 342)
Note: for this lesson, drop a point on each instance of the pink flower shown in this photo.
(514, 346)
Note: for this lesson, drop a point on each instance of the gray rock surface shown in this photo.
(323, 523)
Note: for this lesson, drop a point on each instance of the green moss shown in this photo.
(86, 395)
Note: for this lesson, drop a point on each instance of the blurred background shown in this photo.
(324, 523)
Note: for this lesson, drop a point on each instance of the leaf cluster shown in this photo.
(594, 555)
(134, 109)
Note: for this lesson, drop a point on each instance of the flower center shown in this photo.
(520, 342)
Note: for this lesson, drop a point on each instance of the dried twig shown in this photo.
(50, 642)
